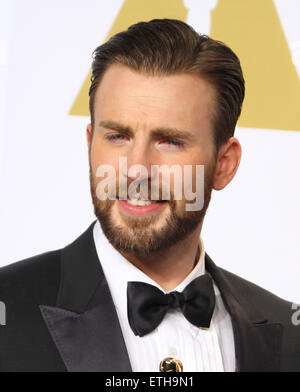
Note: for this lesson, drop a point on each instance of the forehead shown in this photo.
(181, 100)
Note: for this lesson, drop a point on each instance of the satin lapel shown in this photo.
(257, 342)
(84, 324)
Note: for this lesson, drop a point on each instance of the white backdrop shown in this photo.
(252, 227)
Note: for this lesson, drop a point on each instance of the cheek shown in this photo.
(192, 172)
(100, 155)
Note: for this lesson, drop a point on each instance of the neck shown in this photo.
(171, 266)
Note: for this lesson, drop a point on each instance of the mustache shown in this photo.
(134, 190)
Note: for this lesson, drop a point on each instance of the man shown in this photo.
(136, 291)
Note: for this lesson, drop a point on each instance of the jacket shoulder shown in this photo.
(25, 342)
(252, 296)
(34, 278)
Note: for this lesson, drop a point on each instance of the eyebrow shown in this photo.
(155, 133)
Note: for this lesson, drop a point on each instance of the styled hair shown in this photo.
(164, 47)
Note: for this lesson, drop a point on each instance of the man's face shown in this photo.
(135, 117)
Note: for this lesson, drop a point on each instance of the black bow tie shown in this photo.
(147, 305)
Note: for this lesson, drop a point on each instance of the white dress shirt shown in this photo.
(199, 349)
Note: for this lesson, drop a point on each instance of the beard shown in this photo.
(145, 235)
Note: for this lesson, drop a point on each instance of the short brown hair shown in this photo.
(163, 47)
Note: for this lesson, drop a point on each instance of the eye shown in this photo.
(173, 143)
(115, 137)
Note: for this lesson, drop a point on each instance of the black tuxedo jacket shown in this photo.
(61, 317)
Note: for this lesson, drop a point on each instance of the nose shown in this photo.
(139, 161)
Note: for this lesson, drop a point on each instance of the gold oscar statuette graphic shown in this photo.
(256, 35)
(170, 365)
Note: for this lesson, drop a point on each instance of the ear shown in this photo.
(228, 161)
(89, 135)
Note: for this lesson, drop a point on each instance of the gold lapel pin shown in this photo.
(170, 365)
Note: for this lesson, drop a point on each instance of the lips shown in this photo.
(133, 208)
(147, 200)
